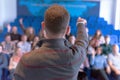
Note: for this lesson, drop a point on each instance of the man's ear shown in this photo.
(68, 30)
(43, 25)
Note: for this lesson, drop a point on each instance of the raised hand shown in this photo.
(21, 20)
(81, 20)
(8, 27)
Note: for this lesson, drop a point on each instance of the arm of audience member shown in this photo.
(22, 25)
(8, 28)
(29, 48)
(113, 68)
(92, 57)
(5, 62)
(92, 60)
(107, 67)
(108, 70)
(10, 65)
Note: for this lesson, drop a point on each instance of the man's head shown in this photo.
(14, 29)
(115, 49)
(24, 38)
(107, 39)
(7, 38)
(56, 20)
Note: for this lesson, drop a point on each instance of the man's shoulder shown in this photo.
(32, 57)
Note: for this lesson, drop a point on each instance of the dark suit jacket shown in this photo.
(56, 59)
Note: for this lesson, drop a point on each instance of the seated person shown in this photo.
(99, 65)
(114, 62)
(71, 39)
(14, 61)
(29, 32)
(106, 47)
(8, 45)
(15, 36)
(3, 62)
(24, 44)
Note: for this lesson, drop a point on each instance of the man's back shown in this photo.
(53, 61)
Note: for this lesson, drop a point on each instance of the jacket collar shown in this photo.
(54, 43)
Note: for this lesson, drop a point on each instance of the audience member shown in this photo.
(113, 60)
(15, 36)
(8, 45)
(24, 44)
(54, 60)
(35, 42)
(99, 65)
(71, 39)
(27, 31)
(106, 47)
(97, 39)
(3, 62)
(14, 61)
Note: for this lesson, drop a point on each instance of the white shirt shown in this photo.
(25, 47)
(115, 59)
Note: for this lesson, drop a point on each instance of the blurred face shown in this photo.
(14, 29)
(115, 49)
(0, 49)
(72, 39)
(24, 38)
(31, 30)
(99, 50)
(7, 38)
(98, 32)
(19, 52)
(107, 40)
(36, 39)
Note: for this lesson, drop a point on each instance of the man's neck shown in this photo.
(55, 36)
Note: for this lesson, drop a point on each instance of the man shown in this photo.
(8, 45)
(55, 59)
(14, 34)
(114, 60)
(24, 44)
(107, 47)
(99, 65)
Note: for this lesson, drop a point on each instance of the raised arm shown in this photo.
(82, 38)
(21, 24)
(81, 43)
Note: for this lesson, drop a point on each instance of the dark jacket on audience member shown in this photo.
(56, 59)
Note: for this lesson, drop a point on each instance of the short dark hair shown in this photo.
(56, 19)
(107, 36)
(7, 35)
